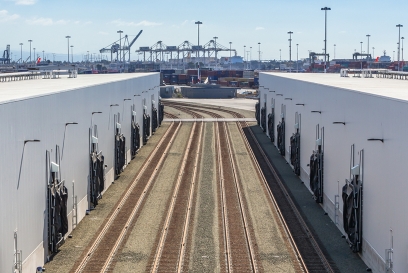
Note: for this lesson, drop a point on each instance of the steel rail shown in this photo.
(164, 233)
(112, 218)
(138, 204)
(241, 202)
(302, 223)
(190, 202)
(224, 212)
(273, 200)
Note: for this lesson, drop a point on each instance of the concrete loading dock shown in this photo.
(40, 110)
(368, 113)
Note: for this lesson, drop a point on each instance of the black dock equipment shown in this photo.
(120, 147)
(281, 132)
(135, 135)
(352, 195)
(271, 122)
(155, 123)
(161, 112)
(57, 198)
(317, 166)
(295, 146)
(97, 169)
(146, 126)
(257, 113)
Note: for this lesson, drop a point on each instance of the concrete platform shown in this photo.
(325, 230)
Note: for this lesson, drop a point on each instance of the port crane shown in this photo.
(185, 49)
(121, 52)
(6, 56)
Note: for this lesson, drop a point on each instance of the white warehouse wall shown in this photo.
(43, 117)
(366, 116)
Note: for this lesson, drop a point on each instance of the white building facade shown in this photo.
(369, 113)
(33, 118)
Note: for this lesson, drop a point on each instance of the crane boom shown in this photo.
(134, 40)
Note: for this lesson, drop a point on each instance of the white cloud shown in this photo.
(143, 23)
(259, 28)
(25, 2)
(5, 16)
(103, 33)
(41, 21)
(88, 23)
(185, 22)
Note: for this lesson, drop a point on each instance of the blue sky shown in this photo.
(92, 24)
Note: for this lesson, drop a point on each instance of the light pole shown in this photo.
(393, 55)
(402, 52)
(297, 58)
(68, 46)
(334, 56)
(280, 55)
(230, 55)
(215, 46)
(198, 23)
(35, 57)
(368, 44)
(399, 26)
(30, 48)
(21, 55)
(325, 36)
(72, 53)
(373, 52)
(259, 51)
(243, 60)
(43, 55)
(290, 45)
(361, 50)
(120, 44)
(250, 57)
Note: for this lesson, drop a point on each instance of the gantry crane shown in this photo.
(121, 49)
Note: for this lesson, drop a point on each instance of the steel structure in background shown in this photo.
(185, 49)
(120, 48)
(6, 56)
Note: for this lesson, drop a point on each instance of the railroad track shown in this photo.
(308, 251)
(111, 235)
(171, 247)
(239, 247)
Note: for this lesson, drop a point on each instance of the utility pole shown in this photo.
(399, 26)
(280, 55)
(334, 56)
(72, 53)
(325, 37)
(35, 57)
(68, 47)
(290, 45)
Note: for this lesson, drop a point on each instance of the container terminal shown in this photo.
(164, 164)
